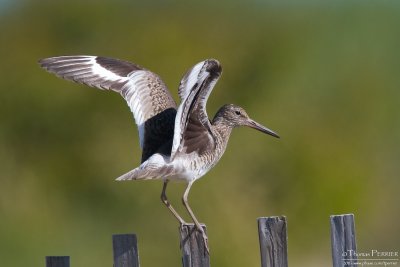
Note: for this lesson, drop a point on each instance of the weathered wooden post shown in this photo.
(343, 240)
(57, 261)
(273, 241)
(194, 254)
(125, 250)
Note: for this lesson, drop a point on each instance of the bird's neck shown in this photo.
(223, 127)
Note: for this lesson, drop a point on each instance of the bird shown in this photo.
(178, 142)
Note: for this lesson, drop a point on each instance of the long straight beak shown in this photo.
(259, 127)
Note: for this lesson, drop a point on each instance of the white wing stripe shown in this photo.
(191, 80)
(102, 72)
(189, 88)
(65, 63)
(193, 77)
(73, 60)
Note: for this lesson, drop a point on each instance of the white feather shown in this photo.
(102, 72)
(191, 80)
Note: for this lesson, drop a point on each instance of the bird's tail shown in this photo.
(153, 168)
(135, 174)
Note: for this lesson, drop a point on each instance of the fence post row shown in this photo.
(273, 245)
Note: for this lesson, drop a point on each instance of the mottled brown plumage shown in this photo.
(178, 143)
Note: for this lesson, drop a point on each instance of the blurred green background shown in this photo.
(324, 75)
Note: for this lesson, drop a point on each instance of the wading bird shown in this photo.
(178, 143)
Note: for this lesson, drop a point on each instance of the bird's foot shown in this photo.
(205, 238)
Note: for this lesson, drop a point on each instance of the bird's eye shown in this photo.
(237, 112)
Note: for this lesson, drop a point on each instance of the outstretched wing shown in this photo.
(146, 94)
(193, 131)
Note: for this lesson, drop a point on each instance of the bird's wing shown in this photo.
(144, 91)
(193, 130)
(189, 80)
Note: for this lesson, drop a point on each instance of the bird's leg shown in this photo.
(196, 222)
(164, 199)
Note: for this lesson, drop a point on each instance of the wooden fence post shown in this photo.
(57, 261)
(343, 240)
(194, 253)
(125, 250)
(273, 241)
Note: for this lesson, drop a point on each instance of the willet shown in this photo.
(178, 143)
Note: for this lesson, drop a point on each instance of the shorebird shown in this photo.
(178, 142)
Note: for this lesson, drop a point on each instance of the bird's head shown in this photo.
(235, 116)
